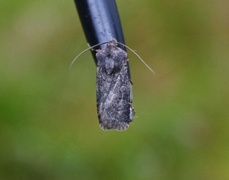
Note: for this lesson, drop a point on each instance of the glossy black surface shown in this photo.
(100, 21)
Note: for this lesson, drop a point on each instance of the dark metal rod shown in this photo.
(100, 21)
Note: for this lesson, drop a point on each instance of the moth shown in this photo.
(113, 86)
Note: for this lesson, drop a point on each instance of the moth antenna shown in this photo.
(136, 54)
(91, 47)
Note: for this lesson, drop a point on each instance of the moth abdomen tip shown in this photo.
(120, 126)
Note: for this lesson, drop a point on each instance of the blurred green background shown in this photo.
(48, 122)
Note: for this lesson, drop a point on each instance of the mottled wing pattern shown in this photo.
(114, 88)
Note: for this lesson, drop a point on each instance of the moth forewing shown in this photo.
(114, 101)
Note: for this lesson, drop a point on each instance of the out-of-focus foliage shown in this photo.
(48, 123)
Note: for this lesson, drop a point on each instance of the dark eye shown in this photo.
(119, 57)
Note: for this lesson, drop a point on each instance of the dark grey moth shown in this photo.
(114, 88)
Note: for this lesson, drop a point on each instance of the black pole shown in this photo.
(100, 21)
